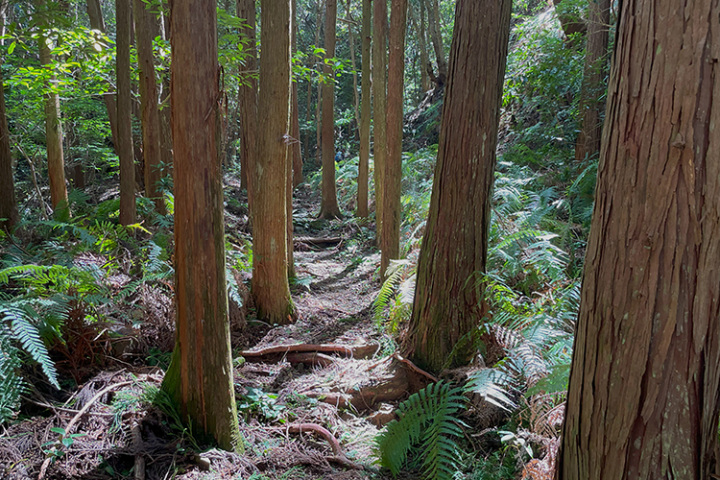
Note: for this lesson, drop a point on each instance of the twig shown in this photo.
(71, 424)
(62, 409)
(415, 368)
(339, 457)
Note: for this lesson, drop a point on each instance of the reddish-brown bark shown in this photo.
(270, 287)
(645, 379)
(248, 97)
(391, 209)
(591, 93)
(200, 377)
(8, 204)
(363, 165)
(329, 207)
(379, 85)
(454, 249)
(124, 142)
(146, 28)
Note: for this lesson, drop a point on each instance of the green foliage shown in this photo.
(396, 295)
(427, 428)
(256, 401)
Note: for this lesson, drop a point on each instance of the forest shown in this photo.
(359, 239)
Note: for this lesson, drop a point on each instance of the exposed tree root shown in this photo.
(311, 358)
(338, 457)
(317, 242)
(278, 352)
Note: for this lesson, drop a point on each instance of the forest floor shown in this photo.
(312, 395)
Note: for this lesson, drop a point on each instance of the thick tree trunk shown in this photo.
(200, 377)
(145, 30)
(645, 380)
(270, 287)
(54, 139)
(8, 204)
(124, 142)
(248, 97)
(363, 164)
(329, 207)
(454, 250)
(97, 23)
(591, 93)
(379, 84)
(392, 209)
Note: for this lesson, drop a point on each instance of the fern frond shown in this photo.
(493, 385)
(394, 273)
(427, 425)
(28, 336)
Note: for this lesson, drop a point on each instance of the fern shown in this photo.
(427, 426)
(395, 273)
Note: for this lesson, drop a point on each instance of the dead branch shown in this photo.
(312, 358)
(317, 242)
(276, 352)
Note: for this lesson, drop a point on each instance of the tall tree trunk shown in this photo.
(437, 41)
(200, 377)
(329, 207)
(54, 137)
(379, 84)
(353, 65)
(124, 142)
(248, 97)
(145, 31)
(363, 165)
(296, 146)
(97, 23)
(8, 204)
(318, 105)
(270, 287)
(426, 67)
(596, 57)
(454, 250)
(392, 209)
(645, 376)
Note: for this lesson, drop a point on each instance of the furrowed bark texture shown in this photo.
(124, 145)
(329, 206)
(145, 30)
(593, 85)
(270, 286)
(363, 165)
(200, 377)
(454, 250)
(248, 97)
(54, 139)
(644, 383)
(392, 210)
(379, 85)
(8, 203)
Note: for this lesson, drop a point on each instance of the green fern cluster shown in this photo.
(395, 298)
(427, 429)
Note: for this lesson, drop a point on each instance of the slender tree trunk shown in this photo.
(200, 377)
(645, 378)
(318, 105)
(294, 148)
(8, 204)
(426, 67)
(454, 250)
(437, 41)
(248, 97)
(270, 287)
(54, 139)
(124, 142)
(392, 209)
(145, 30)
(363, 165)
(97, 23)
(329, 207)
(297, 161)
(379, 83)
(165, 109)
(596, 59)
(353, 65)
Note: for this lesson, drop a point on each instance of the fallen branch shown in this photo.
(319, 242)
(312, 358)
(414, 368)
